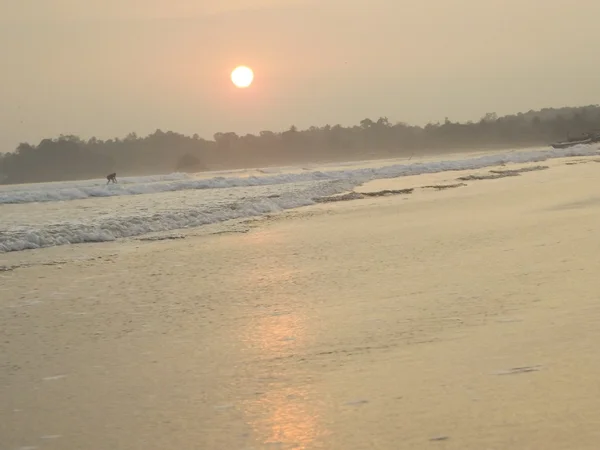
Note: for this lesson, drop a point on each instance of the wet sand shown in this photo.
(458, 318)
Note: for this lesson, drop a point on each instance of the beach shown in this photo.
(459, 315)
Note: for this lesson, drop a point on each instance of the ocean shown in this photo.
(50, 214)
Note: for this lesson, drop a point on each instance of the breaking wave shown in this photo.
(50, 192)
(101, 230)
(247, 203)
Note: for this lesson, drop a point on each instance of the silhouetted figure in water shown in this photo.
(111, 177)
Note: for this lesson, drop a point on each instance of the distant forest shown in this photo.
(70, 157)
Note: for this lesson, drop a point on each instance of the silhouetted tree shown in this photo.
(70, 157)
(189, 163)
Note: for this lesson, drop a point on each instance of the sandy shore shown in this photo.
(462, 317)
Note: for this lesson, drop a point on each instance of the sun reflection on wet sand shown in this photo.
(286, 412)
(287, 417)
(276, 335)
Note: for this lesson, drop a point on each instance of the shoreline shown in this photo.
(405, 184)
(54, 222)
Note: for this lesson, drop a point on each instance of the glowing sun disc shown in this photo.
(242, 76)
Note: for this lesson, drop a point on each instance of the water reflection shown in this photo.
(276, 335)
(287, 417)
(285, 411)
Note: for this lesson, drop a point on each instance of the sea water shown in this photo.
(48, 214)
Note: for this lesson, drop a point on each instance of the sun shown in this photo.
(242, 76)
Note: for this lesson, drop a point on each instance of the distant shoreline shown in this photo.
(71, 157)
(369, 156)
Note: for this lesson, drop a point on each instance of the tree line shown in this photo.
(71, 157)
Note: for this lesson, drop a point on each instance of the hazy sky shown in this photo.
(107, 67)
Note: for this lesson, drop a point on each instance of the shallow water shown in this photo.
(48, 214)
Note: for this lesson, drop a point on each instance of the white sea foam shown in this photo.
(101, 230)
(49, 192)
(184, 208)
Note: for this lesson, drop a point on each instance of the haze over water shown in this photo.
(113, 67)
